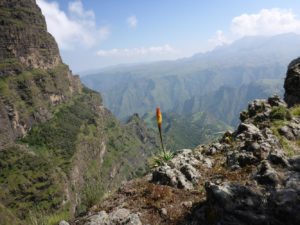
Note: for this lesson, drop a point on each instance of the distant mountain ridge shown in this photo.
(252, 67)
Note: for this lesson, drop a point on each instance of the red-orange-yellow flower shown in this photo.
(158, 117)
(159, 123)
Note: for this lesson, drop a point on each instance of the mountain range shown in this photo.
(219, 82)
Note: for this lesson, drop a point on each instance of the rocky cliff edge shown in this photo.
(251, 176)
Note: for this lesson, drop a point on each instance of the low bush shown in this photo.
(280, 113)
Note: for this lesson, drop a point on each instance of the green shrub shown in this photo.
(280, 113)
(295, 110)
(160, 159)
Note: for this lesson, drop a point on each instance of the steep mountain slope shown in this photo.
(244, 66)
(248, 177)
(61, 150)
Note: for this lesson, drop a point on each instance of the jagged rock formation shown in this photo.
(250, 176)
(292, 83)
(61, 150)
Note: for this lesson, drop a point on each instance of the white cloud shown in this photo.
(132, 21)
(218, 39)
(76, 8)
(133, 52)
(104, 33)
(77, 28)
(266, 22)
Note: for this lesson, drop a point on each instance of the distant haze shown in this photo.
(220, 82)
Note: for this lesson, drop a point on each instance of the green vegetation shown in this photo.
(160, 158)
(28, 181)
(280, 113)
(58, 136)
(7, 217)
(31, 91)
(295, 111)
(280, 117)
(40, 217)
(35, 173)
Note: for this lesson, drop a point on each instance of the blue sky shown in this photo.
(93, 34)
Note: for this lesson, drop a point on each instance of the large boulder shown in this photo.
(181, 171)
(292, 83)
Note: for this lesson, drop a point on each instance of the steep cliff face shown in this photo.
(25, 42)
(32, 75)
(249, 177)
(61, 150)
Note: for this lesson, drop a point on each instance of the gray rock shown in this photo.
(293, 181)
(295, 163)
(163, 211)
(257, 106)
(240, 158)
(250, 131)
(63, 222)
(183, 157)
(102, 218)
(287, 132)
(277, 157)
(190, 173)
(120, 216)
(285, 206)
(292, 83)
(207, 162)
(214, 148)
(170, 176)
(252, 146)
(233, 196)
(275, 100)
(187, 204)
(134, 219)
(180, 172)
(263, 152)
(266, 175)
(211, 151)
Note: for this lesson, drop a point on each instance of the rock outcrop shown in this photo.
(117, 217)
(292, 83)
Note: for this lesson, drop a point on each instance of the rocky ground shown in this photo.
(250, 176)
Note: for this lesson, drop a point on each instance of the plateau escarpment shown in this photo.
(61, 150)
(250, 176)
(33, 76)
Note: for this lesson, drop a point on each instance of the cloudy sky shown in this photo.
(93, 34)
